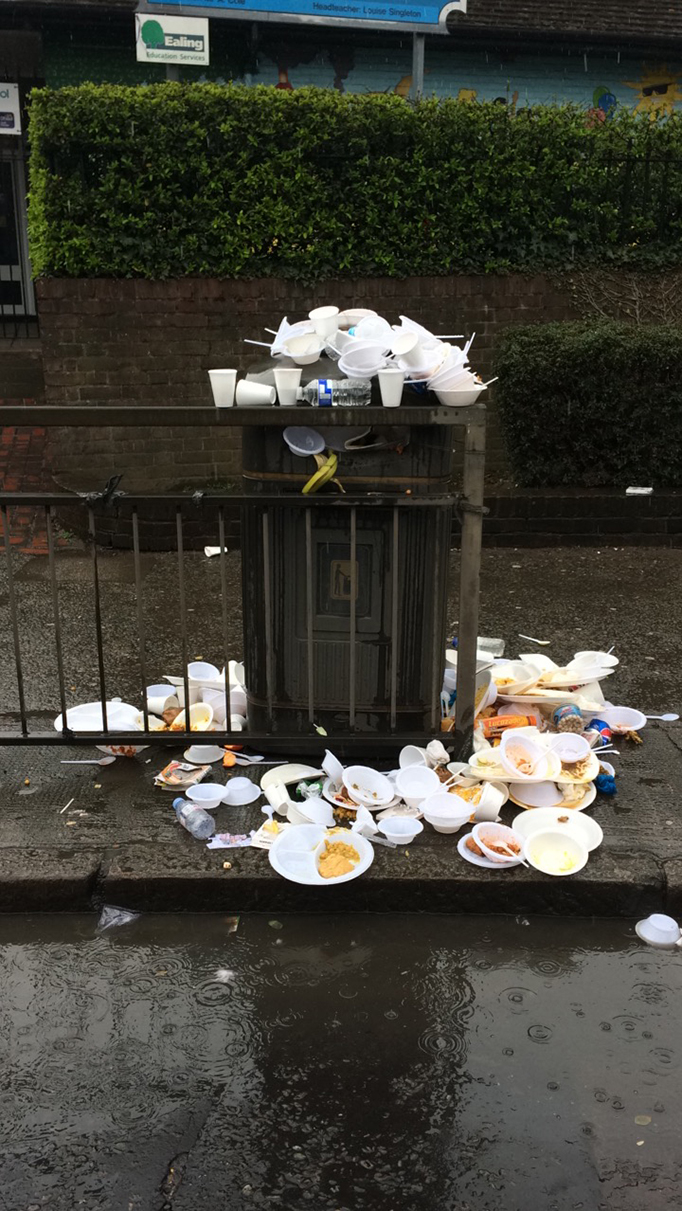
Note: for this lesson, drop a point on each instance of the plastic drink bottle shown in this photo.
(197, 821)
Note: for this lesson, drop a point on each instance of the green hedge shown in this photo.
(591, 404)
(176, 179)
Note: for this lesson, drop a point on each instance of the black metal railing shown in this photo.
(215, 510)
(212, 514)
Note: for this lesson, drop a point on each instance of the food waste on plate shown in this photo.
(364, 345)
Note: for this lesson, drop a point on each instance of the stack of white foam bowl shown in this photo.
(454, 385)
(362, 359)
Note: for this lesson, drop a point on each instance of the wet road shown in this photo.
(384, 1063)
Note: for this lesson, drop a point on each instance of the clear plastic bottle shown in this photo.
(337, 393)
(197, 821)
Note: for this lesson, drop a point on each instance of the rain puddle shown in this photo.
(338, 1063)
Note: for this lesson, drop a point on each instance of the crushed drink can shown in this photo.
(601, 726)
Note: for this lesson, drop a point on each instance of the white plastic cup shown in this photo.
(325, 320)
(287, 382)
(251, 394)
(391, 386)
(406, 346)
(223, 383)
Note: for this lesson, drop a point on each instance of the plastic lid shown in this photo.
(303, 441)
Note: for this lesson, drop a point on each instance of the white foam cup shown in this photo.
(287, 382)
(391, 386)
(252, 394)
(222, 385)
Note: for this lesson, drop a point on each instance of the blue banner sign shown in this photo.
(422, 17)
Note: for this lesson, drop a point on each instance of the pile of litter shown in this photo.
(542, 733)
(364, 345)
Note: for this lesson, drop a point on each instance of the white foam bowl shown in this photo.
(411, 755)
(200, 719)
(659, 929)
(401, 829)
(570, 747)
(367, 786)
(332, 768)
(512, 741)
(623, 718)
(201, 670)
(502, 835)
(577, 824)
(304, 350)
(459, 399)
(415, 783)
(443, 813)
(523, 677)
(240, 791)
(605, 660)
(207, 795)
(555, 853)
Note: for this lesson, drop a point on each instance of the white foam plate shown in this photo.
(587, 799)
(288, 774)
(293, 854)
(549, 698)
(589, 775)
(581, 826)
(485, 862)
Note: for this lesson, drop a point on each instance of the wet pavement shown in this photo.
(118, 837)
(339, 1063)
(577, 598)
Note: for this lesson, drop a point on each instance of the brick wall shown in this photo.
(139, 342)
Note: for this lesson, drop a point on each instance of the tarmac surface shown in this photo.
(118, 839)
(340, 1063)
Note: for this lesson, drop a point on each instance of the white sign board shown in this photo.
(162, 39)
(10, 109)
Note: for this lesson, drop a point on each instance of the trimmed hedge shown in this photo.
(590, 404)
(202, 179)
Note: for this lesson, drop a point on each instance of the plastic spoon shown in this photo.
(666, 719)
(544, 643)
(91, 761)
(517, 858)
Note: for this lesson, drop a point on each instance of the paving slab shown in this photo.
(78, 836)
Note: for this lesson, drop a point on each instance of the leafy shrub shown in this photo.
(591, 404)
(237, 181)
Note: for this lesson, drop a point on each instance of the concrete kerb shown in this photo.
(127, 849)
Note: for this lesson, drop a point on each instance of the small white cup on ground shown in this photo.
(223, 384)
(287, 382)
(325, 320)
(250, 394)
(391, 386)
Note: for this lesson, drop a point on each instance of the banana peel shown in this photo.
(326, 470)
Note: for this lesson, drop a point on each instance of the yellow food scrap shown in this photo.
(337, 859)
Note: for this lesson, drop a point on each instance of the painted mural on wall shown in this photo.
(600, 85)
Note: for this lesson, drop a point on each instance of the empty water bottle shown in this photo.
(197, 821)
(334, 393)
